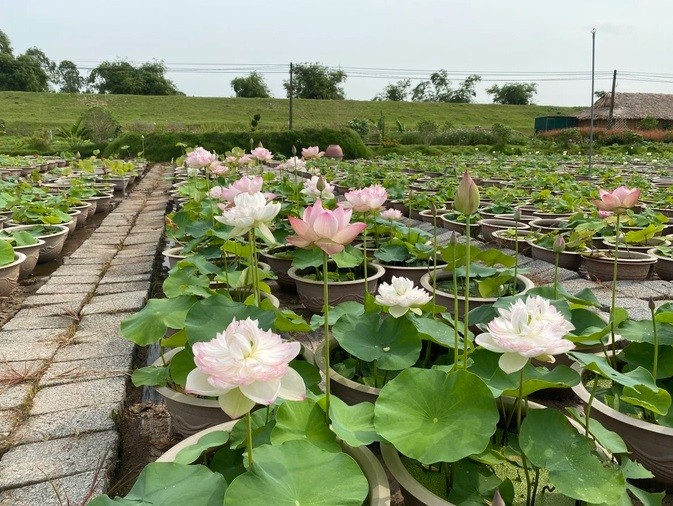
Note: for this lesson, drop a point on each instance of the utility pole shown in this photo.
(291, 94)
(591, 128)
(612, 100)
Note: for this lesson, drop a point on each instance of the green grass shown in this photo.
(25, 113)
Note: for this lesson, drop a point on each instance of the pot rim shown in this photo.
(425, 283)
(63, 229)
(635, 257)
(19, 258)
(380, 271)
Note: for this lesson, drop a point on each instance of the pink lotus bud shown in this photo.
(466, 200)
(559, 244)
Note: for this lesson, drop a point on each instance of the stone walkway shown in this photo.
(65, 365)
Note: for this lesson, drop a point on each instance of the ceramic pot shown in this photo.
(631, 265)
(104, 202)
(570, 260)
(413, 273)
(53, 242)
(334, 151)
(548, 225)
(490, 225)
(32, 252)
(9, 274)
(609, 243)
(280, 263)
(505, 241)
(460, 227)
(310, 291)
(446, 298)
(379, 488)
(664, 265)
(649, 444)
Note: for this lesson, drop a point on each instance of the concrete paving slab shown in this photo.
(57, 458)
(111, 288)
(14, 396)
(38, 322)
(73, 301)
(73, 371)
(20, 345)
(87, 344)
(131, 269)
(67, 423)
(74, 489)
(77, 395)
(124, 279)
(76, 270)
(115, 303)
(54, 287)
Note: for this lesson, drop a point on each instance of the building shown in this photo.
(629, 110)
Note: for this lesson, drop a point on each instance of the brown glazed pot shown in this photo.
(631, 265)
(334, 151)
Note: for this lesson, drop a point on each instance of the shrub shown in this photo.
(648, 123)
(161, 146)
(361, 126)
(3, 127)
(100, 125)
(427, 129)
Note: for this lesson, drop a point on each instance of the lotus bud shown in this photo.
(497, 499)
(517, 215)
(320, 185)
(294, 150)
(453, 240)
(559, 244)
(650, 304)
(466, 200)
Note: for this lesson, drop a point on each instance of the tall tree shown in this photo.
(395, 92)
(68, 77)
(46, 64)
(252, 86)
(120, 77)
(438, 89)
(313, 80)
(5, 44)
(513, 93)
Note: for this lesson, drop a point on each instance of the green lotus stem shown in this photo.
(556, 255)
(456, 316)
(325, 295)
(364, 245)
(210, 200)
(467, 290)
(516, 246)
(376, 374)
(248, 443)
(656, 343)
(518, 425)
(614, 294)
(587, 408)
(253, 267)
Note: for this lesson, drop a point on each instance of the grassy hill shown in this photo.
(25, 113)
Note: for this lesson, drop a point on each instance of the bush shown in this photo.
(361, 126)
(648, 123)
(100, 125)
(162, 146)
(427, 129)
(3, 127)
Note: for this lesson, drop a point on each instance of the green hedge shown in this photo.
(162, 147)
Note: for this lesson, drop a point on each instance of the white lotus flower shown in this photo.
(312, 191)
(244, 366)
(250, 211)
(401, 296)
(530, 329)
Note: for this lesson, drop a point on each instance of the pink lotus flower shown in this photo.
(391, 214)
(244, 185)
(328, 230)
(245, 160)
(401, 296)
(366, 199)
(217, 168)
(217, 192)
(618, 200)
(604, 214)
(199, 158)
(262, 154)
(244, 366)
(533, 328)
(311, 152)
(293, 163)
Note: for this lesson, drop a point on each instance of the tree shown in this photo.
(315, 81)
(46, 64)
(120, 77)
(513, 93)
(438, 89)
(252, 86)
(395, 92)
(26, 72)
(68, 77)
(5, 44)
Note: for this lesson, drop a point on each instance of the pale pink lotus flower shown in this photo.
(246, 184)
(217, 168)
(618, 200)
(401, 296)
(604, 214)
(245, 160)
(391, 214)
(231, 159)
(217, 192)
(328, 230)
(366, 199)
(199, 158)
(250, 211)
(293, 163)
(244, 366)
(312, 152)
(530, 329)
(311, 189)
(261, 154)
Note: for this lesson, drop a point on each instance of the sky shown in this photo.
(206, 43)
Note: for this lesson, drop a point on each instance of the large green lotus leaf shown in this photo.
(348, 307)
(348, 258)
(151, 375)
(436, 330)
(263, 423)
(186, 281)
(393, 342)
(609, 440)
(433, 416)
(549, 441)
(642, 355)
(171, 484)
(211, 440)
(181, 365)
(475, 484)
(353, 424)
(298, 472)
(212, 315)
(304, 421)
(389, 253)
(305, 258)
(149, 325)
(642, 332)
